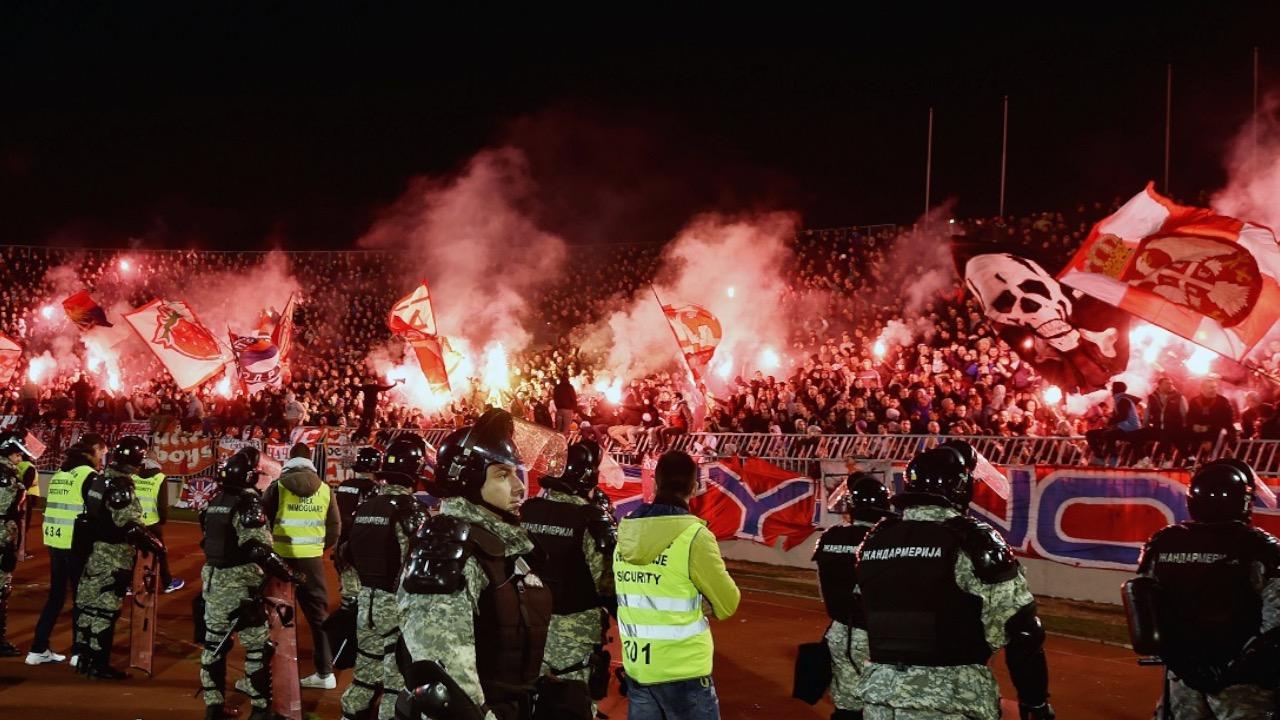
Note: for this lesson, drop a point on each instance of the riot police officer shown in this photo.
(377, 541)
(113, 525)
(475, 614)
(238, 556)
(578, 536)
(862, 501)
(1208, 602)
(12, 492)
(350, 495)
(941, 592)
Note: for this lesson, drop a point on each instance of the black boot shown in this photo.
(218, 712)
(846, 715)
(263, 714)
(6, 648)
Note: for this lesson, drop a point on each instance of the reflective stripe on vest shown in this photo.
(23, 467)
(300, 522)
(665, 636)
(148, 492)
(65, 502)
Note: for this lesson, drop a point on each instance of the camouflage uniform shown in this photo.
(442, 627)
(11, 494)
(225, 591)
(107, 574)
(1236, 702)
(348, 584)
(571, 638)
(958, 692)
(377, 631)
(849, 658)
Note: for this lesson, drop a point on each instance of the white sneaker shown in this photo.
(320, 682)
(48, 656)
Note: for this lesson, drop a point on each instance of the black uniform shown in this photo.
(349, 496)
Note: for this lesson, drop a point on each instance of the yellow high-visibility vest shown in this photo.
(665, 635)
(148, 492)
(63, 505)
(23, 467)
(299, 524)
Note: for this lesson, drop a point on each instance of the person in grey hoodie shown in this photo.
(299, 479)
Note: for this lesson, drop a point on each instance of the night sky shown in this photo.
(214, 127)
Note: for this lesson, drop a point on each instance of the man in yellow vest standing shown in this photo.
(665, 565)
(305, 524)
(153, 494)
(63, 503)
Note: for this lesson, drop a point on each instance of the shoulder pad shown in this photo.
(438, 557)
(119, 494)
(1147, 557)
(252, 515)
(1266, 550)
(993, 561)
(883, 524)
(603, 528)
(7, 476)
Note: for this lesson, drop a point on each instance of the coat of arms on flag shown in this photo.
(697, 331)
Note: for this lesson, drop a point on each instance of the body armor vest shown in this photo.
(1208, 607)
(558, 528)
(838, 573)
(916, 614)
(511, 631)
(222, 547)
(104, 528)
(372, 542)
(349, 496)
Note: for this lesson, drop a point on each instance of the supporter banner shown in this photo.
(745, 500)
(82, 310)
(10, 358)
(1087, 517)
(183, 454)
(313, 435)
(258, 362)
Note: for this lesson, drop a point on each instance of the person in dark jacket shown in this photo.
(1210, 416)
(369, 392)
(1166, 418)
(566, 400)
(1125, 421)
(300, 487)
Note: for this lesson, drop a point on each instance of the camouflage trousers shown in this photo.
(107, 574)
(377, 632)
(1238, 702)
(232, 601)
(570, 640)
(879, 712)
(849, 657)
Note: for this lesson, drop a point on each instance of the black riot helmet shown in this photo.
(942, 471)
(405, 460)
(1221, 491)
(861, 494)
(467, 453)
(240, 470)
(581, 470)
(14, 442)
(129, 454)
(368, 460)
(967, 453)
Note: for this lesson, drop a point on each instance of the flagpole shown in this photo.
(663, 309)
(1168, 124)
(928, 162)
(1004, 152)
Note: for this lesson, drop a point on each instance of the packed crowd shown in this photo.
(942, 371)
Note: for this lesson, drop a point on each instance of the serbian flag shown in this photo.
(697, 332)
(282, 334)
(176, 336)
(413, 312)
(10, 357)
(1209, 278)
(84, 312)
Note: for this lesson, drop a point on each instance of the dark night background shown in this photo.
(236, 127)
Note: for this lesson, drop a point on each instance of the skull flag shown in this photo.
(1209, 278)
(1073, 340)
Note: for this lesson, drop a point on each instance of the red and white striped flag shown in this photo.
(1212, 279)
(413, 319)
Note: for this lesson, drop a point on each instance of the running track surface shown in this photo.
(755, 650)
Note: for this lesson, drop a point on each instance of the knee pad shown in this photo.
(252, 613)
(120, 582)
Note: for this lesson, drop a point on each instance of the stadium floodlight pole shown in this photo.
(928, 162)
(1004, 152)
(1168, 123)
